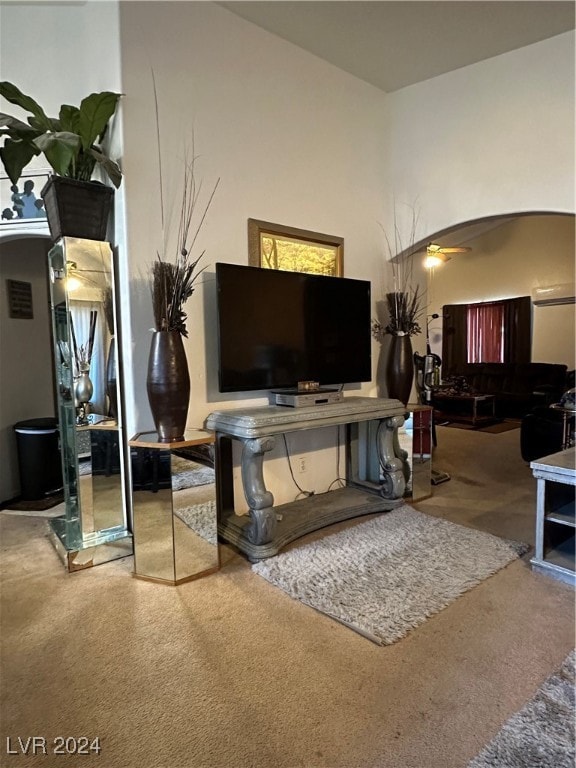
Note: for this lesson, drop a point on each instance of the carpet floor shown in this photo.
(386, 576)
(542, 734)
(226, 671)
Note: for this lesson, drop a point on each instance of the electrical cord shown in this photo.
(302, 491)
(340, 480)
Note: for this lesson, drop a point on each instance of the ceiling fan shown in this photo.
(437, 254)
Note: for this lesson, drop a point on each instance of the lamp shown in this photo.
(72, 281)
(436, 255)
(433, 260)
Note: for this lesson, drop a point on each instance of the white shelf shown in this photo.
(564, 515)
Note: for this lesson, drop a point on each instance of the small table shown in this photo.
(568, 417)
(556, 515)
(481, 408)
(175, 539)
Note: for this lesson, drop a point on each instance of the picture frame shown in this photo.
(24, 205)
(276, 246)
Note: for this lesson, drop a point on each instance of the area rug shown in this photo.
(189, 474)
(542, 733)
(201, 518)
(386, 576)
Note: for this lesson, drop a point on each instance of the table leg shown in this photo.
(262, 527)
(393, 465)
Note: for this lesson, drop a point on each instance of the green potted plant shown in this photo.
(76, 205)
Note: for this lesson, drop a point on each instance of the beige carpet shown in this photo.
(229, 671)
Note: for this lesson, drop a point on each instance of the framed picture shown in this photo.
(21, 203)
(274, 246)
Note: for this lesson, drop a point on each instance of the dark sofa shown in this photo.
(517, 387)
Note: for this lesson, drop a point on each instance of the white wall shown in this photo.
(58, 53)
(294, 140)
(26, 375)
(492, 138)
(527, 252)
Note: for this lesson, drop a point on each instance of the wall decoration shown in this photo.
(19, 299)
(274, 246)
(21, 202)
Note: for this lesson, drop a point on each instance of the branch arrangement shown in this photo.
(172, 282)
(83, 353)
(405, 303)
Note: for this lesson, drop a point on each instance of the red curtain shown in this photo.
(485, 342)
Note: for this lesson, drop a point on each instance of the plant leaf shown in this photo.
(15, 96)
(69, 118)
(95, 112)
(60, 150)
(15, 157)
(110, 167)
(15, 125)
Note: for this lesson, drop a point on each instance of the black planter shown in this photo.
(400, 368)
(168, 385)
(77, 208)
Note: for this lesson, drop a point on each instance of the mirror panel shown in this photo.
(415, 437)
(84, 328)
(174, 508)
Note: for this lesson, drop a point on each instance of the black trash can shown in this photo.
(38, 458)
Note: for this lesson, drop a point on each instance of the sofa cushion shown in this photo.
(529, 376)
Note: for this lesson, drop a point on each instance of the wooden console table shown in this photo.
(376, 470)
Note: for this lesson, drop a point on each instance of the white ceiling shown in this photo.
(395, 44)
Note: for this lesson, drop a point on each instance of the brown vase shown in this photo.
(400, 368)
(168, 385)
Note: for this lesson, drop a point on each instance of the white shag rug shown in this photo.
(386, 576)
(542, 733)
(189, 474)
(202, 519)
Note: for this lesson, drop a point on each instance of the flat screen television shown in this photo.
(278, 328)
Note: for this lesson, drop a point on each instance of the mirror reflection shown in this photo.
(174, 508)
(84, 325)
(415, 437)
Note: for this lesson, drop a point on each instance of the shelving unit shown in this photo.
(556, 515)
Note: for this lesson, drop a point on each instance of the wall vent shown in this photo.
(554, 294)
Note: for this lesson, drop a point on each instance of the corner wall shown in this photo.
(492, 138)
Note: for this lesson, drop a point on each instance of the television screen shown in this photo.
(277, 328)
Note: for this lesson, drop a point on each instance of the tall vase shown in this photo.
(83, 391)
(400, 368)
(111, 383)
(168, 385)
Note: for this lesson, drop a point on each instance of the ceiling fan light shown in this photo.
(73, 283)
(433, 260)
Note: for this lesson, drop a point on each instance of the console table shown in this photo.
(376, 470)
